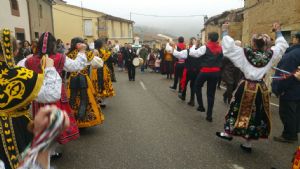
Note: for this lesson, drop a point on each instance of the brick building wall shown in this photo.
(235, 20)
(260, 14)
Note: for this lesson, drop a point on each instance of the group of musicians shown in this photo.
(76, 82)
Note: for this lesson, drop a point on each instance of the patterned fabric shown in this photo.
(258, 58)
(7, 47)
(18, 87)
(296, 161)
(249, 113)
(102, 79)
(94, 115)
(9, 141)
(72, 132)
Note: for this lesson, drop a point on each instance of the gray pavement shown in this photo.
(148, 127)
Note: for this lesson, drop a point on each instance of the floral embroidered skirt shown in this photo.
(94, 115)
(102, 83)
(249, 113)
(296, 161)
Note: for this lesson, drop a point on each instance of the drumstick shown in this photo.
(283, 71)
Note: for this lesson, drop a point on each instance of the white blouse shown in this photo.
(196, 53)
(51, 89)
(237, 56)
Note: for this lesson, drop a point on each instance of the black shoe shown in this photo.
(209, 119)
(284, 140)
(201, 109)
(133, 79)
(130, 79)
(229, 138)
(246, 149)
(191, 103)
(172, 88)
(181, 97)
(56, 156)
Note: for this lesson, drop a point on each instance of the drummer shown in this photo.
(129, 55)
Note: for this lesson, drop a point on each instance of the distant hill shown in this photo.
(148, 34)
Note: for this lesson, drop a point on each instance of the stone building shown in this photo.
(14, 15)
(41, 18)
(214, 24)
(72, 21)
(259, 15)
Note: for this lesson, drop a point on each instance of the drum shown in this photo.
(136, 62)
(141, 61)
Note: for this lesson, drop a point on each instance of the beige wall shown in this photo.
(259, 19)
(7, 20)
(68, 22)
(38, 24)
(117, 30)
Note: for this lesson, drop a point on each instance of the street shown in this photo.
(147, 127)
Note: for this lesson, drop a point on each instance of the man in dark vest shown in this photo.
(210, 71)
(190, 72)
(179, 65)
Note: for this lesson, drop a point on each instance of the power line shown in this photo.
(74, 14)
(165, 16)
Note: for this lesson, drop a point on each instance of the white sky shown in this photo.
(176, 26)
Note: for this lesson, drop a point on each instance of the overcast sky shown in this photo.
(177, 26)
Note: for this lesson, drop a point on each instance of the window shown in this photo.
(287, 35)
(129, 30)
(113, 29)
(88, 27)
(36, 35)
(41, 11)
(20, 34)
(122, 33)
(14, 6)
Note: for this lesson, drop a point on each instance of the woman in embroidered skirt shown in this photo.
(19, 87)
(101, 77)
(249, 113)
(81, 90)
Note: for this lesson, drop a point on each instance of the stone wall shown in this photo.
(260, 15)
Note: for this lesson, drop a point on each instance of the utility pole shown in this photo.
(130, 15)
(82, 19)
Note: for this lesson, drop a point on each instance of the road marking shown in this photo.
(237, 166)
(143, 85)
(272, 104)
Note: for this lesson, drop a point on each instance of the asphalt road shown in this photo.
(148, 127)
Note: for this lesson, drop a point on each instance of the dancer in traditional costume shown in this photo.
(179, 66)
(190, 72)
(249, 113)
(81, 90)
(168, 60)
(101, 77)
(210, 71)
(19, 87)
(46, 47)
